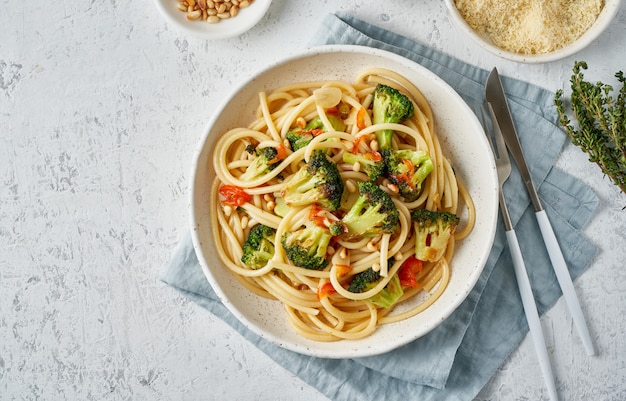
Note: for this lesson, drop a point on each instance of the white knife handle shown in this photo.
(532, 316)
(565, 280)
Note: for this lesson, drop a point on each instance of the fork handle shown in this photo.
(532, 316)
(565, 280)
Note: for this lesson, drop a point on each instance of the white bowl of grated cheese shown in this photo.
(527, 31)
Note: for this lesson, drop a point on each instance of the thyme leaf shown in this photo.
(601, 122)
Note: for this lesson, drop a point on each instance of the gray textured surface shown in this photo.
(101, 107)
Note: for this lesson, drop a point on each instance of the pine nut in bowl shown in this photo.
(213, 19)
(533, 32)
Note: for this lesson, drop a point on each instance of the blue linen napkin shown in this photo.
(454, 361)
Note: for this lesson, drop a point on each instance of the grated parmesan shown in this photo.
(530, 26)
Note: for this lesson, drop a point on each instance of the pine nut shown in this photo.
(393, 188)
(372, 246)
(356, 167)
(374, 145)
(343, 254)
(228, 210)
(213, 10)
(301, 122)
(194, 15)
(271, 205)
(351, 186)
(376, 267)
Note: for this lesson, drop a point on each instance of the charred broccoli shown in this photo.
(364, 281)
(265, 161)
(372, 214)
(307, 246)
(432, 232)
(389, 106)
(371, 163)
(258, 248)
(407, 169)
(317, 182)
(368, 279)
(300, 137)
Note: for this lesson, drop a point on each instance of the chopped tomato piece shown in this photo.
(408, 271)
(373, 156)
(333, 110)
(280, 155)
(315, 209)
(316, 217)
(357, 142)
(343, 270)
(234, 195)
(409, 166)
(325, 290)
(360, 118)
(403, 178)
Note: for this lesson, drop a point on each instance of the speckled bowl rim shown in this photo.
(604, 19)
(462, 139)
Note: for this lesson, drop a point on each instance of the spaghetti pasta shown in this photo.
(317, 302)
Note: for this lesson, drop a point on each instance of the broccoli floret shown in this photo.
(372, 214)
(389, 106)
(367, 279)
(317, 182)
(407, 169)
(364, 281)
(259, 246)
(371, 163)
(300, 137)
(336, 228)
(265, 161)
(307, 246)
(432, 232)
(388, 295)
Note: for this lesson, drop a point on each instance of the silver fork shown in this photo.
(503, 167)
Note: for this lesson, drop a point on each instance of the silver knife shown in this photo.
(494, 94)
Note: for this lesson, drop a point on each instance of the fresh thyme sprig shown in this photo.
(601, 121)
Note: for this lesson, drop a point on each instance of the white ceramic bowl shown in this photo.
(227, 28)
(605, 17)
(462, 140)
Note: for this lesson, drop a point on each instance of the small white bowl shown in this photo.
(462, 140)
(611, 7)
(227, 28)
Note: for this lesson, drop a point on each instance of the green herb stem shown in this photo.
(601, 123)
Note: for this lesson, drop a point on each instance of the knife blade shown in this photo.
(495, 96)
